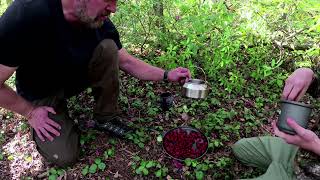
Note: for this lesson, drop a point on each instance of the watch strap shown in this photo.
(165, 76)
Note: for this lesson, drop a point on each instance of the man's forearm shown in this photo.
(10, 100)
(143, 71)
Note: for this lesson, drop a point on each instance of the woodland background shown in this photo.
(246, 48)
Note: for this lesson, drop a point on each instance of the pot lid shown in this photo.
(195, 84)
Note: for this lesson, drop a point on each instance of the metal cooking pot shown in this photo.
(299, 112)
(196, 88)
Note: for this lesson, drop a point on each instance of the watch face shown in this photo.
(165, 76)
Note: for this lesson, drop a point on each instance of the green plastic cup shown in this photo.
(299, 112)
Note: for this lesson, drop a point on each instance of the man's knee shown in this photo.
(239, 144)
(105, 56)
(62, 156)
(109, 47)
(69, 158)
(245, 146)
(64, 149)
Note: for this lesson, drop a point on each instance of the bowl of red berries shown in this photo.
(185, 142)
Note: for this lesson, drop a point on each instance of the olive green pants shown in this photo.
(103, 73)
(271, 154)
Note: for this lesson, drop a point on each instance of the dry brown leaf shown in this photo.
(185, 116)
(117, 175)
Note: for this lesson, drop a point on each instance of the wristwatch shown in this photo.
(165, 76)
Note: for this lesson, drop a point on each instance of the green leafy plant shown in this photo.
(198, 169)
(84, 138)
(139, 137)
(101, 165)
(144, 168)
(55, 173)
(85, 170)
(162, 171)
(137, 103)
(23, 127)
(246, 48)
(94, 167)
(112, 141)
(9, 115)
(2, 137)
(109, 153)
(223, 162)
(152, 111)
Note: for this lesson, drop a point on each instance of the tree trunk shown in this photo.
(158, 11)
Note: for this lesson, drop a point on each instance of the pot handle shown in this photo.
(205, 76)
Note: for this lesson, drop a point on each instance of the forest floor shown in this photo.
(19, 158)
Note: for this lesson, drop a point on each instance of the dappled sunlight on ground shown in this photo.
(23, 156)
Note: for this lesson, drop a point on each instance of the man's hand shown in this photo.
(179, 74)
(304, 138)
(297, 84)
(42, 124)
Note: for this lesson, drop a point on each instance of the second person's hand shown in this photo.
(304, 138)
(42, 124)
(297, 84)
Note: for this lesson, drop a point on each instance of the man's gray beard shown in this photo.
(81, 7)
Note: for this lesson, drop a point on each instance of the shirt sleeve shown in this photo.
(11, 28)
(109, 31)
(17, 27)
